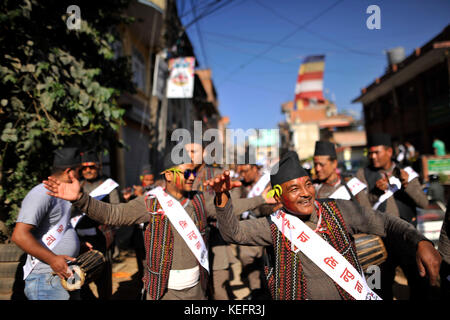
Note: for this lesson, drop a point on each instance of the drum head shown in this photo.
(75, 281)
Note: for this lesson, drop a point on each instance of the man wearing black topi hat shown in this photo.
(100, 237)
(177, 266)
(310, 250)
(328, 182)
(394, 191)
(43, 231)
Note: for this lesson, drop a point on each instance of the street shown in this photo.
(126, 284)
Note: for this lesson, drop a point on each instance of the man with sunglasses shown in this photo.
(177, 266)
(100, 237)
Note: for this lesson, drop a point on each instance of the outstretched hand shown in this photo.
(63, 190)
(221, 184)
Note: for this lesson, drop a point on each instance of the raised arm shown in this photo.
(252, 232)
(123, 214)
(240, 205)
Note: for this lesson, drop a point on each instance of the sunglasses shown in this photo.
(90, 167)
(187, 173)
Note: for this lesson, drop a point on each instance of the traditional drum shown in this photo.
(85, 269)
(370, 250)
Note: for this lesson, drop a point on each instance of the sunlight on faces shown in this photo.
(249, 173)
(380, 156)
(195, 152)
(298, 196)
(324, 167)
(148, 180)
(90, 172)
(180, 183)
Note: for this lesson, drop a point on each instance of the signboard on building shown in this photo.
(180, 84)
(436, 165)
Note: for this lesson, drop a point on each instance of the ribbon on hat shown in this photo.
(175, 171)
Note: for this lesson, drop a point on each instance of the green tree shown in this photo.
(57, 86)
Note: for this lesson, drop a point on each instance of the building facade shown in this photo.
(411, 101)
(305, 126)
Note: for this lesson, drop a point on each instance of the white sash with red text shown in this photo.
(323, 255)
(50, 240)
(183, 223)
(257, 190)
(394, 186)
(259, 186)
(355, 185)
(98, 193)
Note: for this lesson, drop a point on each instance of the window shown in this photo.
(138, 67)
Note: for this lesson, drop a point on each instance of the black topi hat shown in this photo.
(288, 168)
(66, 158)
(89, 158)
(325, 148)
(379, 139)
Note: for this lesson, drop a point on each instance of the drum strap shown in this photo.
(321, 253)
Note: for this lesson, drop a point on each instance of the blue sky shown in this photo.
(255, 47)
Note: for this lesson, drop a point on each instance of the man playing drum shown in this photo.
(175, 238)
(44, 232)
(311, 254)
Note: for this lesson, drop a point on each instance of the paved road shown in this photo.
(127, 285)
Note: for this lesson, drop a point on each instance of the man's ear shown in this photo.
(335, 163)
(168, 175)
(277, 198)
(390, 151)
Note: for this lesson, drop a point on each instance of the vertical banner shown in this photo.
(181, 80)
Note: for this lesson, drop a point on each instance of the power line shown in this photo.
(238, 38)
(262, 53)
(200, 37)
(336, 43)
(197, 7)
(206, 13)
